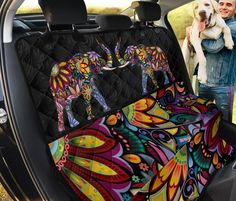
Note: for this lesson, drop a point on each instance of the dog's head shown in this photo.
(204, 11)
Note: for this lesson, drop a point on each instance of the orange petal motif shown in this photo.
(174, 181)
(167, 169)
(144, 104)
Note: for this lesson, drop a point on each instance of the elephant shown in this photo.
(150, 58)
(75, 77)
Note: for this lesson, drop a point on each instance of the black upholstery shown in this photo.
(120, 87)
(38, 53)
(228, 132)
(222, 185)
(29, 130)
(64, 12)
(147, 11)
(28, 71)
(113, 22)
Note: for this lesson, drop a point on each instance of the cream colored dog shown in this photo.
(207, 24)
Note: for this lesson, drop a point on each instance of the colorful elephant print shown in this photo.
(75, 77)
(150, 58)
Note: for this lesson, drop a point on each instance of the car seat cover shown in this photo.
(157, 139)
(75, 77)
(120, 87)
(159, 160)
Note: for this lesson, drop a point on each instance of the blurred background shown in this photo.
(3, 194)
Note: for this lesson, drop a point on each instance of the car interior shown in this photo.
(100, 107)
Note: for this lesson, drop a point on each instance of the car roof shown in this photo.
(168, 5)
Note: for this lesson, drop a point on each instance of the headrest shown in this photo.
(61, 12)
(146, 10)
(113, 22)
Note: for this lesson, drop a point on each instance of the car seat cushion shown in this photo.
(147, 147)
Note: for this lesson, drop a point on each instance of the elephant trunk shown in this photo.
(117, 52)
(108, 52)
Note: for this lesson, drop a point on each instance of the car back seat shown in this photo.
(152, 142)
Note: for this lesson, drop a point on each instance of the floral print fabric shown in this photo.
(75, 77)
(163, 147)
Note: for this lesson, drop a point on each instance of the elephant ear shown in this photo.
(215, 6)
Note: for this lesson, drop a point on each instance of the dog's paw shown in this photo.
(229, 44)
(202, 80)
(202, 77)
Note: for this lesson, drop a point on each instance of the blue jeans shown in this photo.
(223, 97)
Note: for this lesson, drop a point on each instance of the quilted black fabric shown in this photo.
(38, 53)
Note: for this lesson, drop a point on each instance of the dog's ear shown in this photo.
(215, 6)
(195, 7)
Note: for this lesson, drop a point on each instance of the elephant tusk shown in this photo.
(108, 68)
(121, 66)
(124, 65)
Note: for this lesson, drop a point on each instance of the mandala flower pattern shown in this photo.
(145, 113)
(60, 77)
(163, 147)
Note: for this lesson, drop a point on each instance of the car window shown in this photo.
(93, 6)
(180, 18)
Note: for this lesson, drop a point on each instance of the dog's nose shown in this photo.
(202, 14)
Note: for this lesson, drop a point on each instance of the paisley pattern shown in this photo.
(163, 147)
